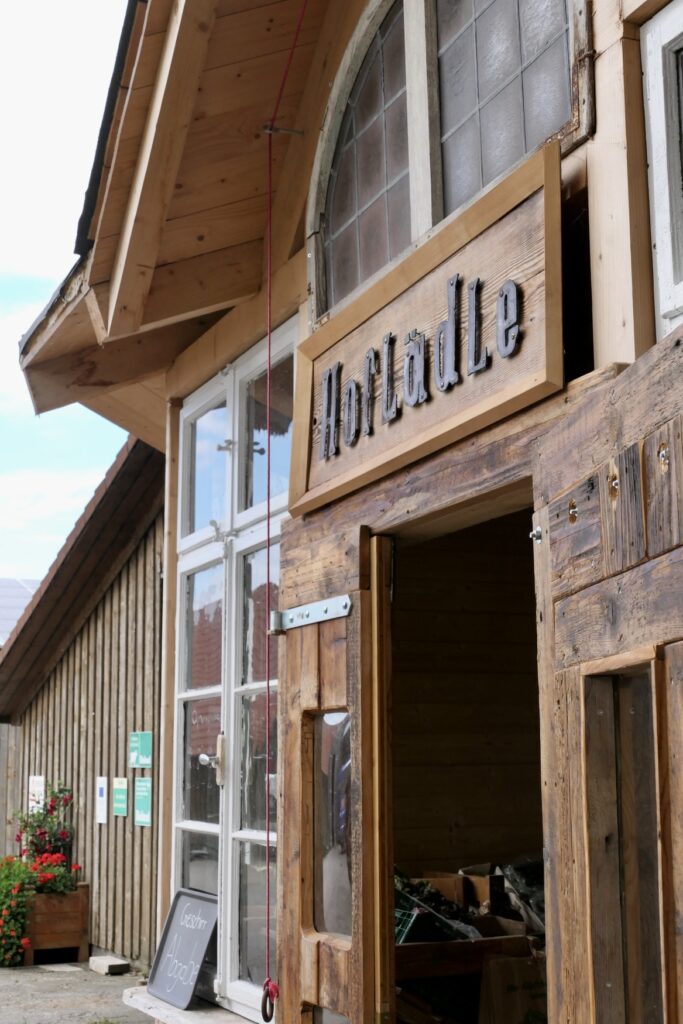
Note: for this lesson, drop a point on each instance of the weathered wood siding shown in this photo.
(9, 799)
(105, 686)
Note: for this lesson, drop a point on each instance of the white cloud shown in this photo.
(25, 495)
(54, 93)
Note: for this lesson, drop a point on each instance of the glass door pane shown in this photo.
(201, 792)
(252, 910)
(209, 445)
(204, 628)
(255, 615)
(253, 488)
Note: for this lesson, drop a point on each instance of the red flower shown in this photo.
(12, 903)
(63, 834)
(75, 867)
(66, 799)
(13, 932)
(17, 838)
(26, 942)
(5, 912)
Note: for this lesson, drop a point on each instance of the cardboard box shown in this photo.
(513, 989)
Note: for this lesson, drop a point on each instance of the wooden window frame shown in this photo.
(424, 131)
(661, 39)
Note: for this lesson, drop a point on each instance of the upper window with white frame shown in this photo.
(434, 101)
(224, 782)
(662, 56)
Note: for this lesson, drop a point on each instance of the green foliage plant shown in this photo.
(47, 828)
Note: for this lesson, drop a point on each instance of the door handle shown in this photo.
(215, 760)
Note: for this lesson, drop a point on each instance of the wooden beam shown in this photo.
(424, 130)
(161, 150)
(238, 330)
(204, 284)
(135, 408)
(620, 244)
(87, 373)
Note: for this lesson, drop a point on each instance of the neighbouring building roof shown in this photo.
(14, 596)
(112, 524)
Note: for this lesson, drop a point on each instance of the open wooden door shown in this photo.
(325, 932)
(609, 573)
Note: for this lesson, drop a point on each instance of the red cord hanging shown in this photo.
(271, 991)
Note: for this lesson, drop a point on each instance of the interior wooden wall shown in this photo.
(106, 685)
(9, 799)
(466, 729)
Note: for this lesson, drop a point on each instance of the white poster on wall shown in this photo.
(101, 800)
(36, 791)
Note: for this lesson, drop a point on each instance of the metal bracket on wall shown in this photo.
(307, 614)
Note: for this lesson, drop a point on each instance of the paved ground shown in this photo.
(64, 994)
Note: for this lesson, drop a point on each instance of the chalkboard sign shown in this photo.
(189, 926)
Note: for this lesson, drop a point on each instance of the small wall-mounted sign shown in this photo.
(464, 331)
(36, 791)
(120, 798)
(140, 750)
(143, 802)
(101, 800)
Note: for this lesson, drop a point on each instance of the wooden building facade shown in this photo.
(475, 514)
(80, 672)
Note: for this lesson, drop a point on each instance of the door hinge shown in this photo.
(307, 614)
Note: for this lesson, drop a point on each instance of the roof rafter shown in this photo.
(161, 150)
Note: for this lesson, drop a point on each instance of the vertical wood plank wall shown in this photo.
(107, 685)
(9, 798)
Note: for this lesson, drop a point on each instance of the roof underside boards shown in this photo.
(14, 596)
(121, 510)
(178, 224)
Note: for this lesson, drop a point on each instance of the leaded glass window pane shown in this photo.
(367, 212)
(503, 84)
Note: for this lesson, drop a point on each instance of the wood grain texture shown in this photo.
(621, 511)
(663, 486)
(671, 787)
(575, 537)
(637, 607)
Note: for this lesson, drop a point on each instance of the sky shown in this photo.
(56, 60)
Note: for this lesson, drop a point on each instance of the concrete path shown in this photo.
(64, 994)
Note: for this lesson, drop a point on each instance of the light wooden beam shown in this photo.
(238, 330)
(163, 141)
(136, 409)
(81, 375)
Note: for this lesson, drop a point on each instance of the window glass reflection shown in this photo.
(253, 762)
(332, 822)
(281, 412)
(200, 862)
(208, 435)
(255, 617)
(204, 629)
(200, 790)
(252, 924)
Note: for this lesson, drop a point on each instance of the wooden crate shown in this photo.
(59, 921)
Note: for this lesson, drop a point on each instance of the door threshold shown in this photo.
(139, 998)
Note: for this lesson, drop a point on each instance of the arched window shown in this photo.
(434, 100)
(367, 212)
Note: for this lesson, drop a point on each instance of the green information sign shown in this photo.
(143, 801)
(120, 797)
(140, 750)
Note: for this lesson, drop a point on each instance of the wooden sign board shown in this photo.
(187, 933)
(466, 330)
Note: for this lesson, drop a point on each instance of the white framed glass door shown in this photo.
(223, 790)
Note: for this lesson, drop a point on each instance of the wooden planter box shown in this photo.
(59, 921)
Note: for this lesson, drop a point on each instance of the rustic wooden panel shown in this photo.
(621, 509)
(673, 908)
(663, 481)
(575, 535)
(634, 405)
(603, 852)
(10, 798)
(105, 686)
(639, 607)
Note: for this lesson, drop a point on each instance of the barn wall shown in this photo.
(9, 800)
(105, 686)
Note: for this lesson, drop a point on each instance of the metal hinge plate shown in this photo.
(307, 614)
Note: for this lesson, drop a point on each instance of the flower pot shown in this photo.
(59, 921)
